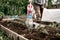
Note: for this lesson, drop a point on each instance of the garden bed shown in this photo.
(46, 33)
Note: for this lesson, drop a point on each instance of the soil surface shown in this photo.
(46, 33)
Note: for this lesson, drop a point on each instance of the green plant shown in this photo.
(3, 36)
(1, 13)
(13, 7)
(49, 3)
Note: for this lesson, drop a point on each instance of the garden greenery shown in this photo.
(13, 7)
(3, 36)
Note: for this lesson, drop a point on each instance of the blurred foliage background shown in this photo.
(49, 3)
(13, 7)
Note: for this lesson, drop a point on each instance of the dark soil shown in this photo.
(35, 34)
